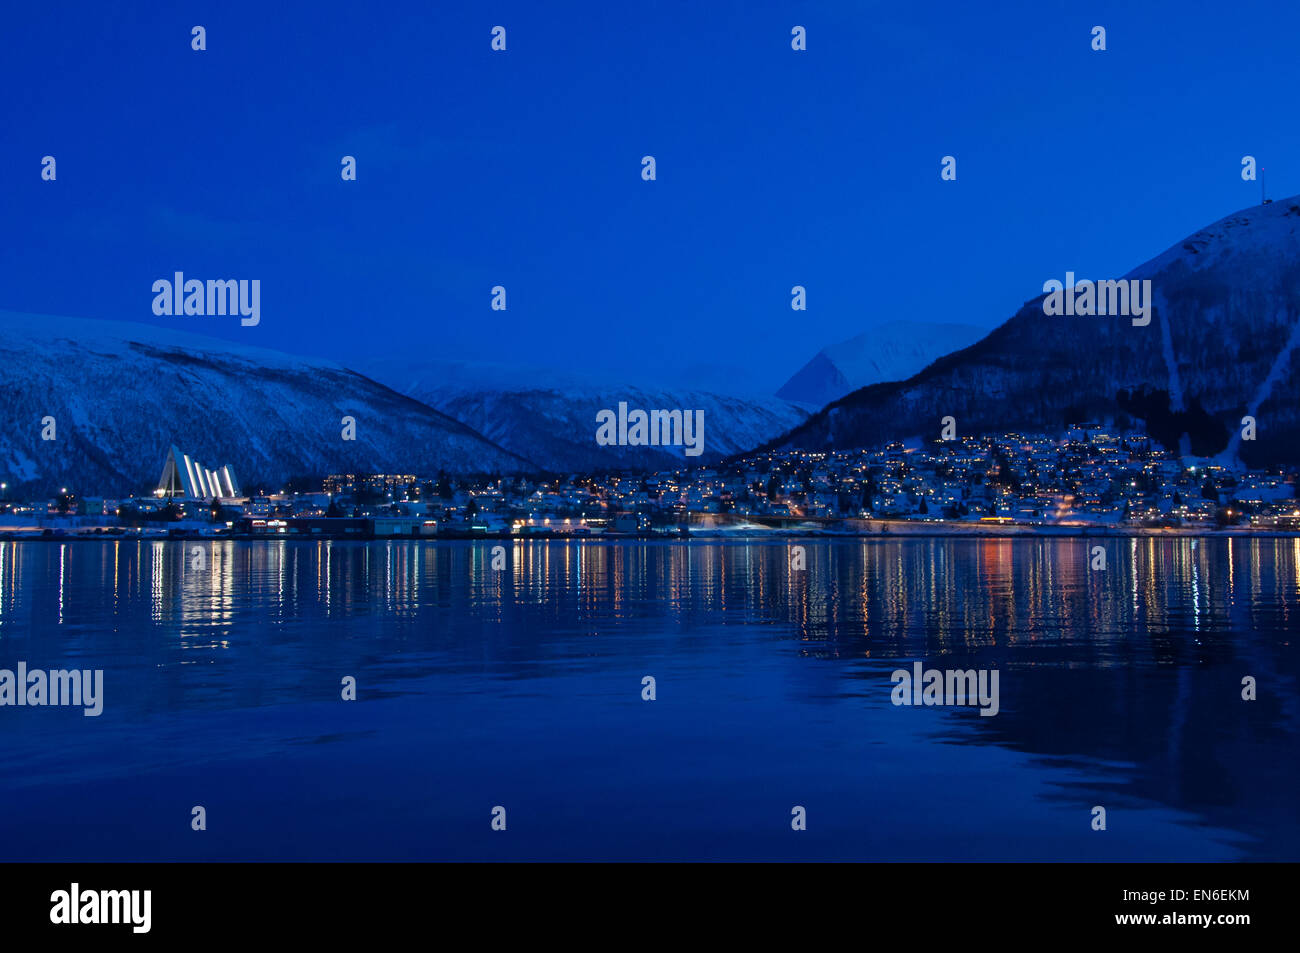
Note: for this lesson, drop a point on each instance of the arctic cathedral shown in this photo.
(187, 479)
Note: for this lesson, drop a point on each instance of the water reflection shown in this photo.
(1122, 684)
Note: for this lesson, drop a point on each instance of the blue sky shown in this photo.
(522, 168)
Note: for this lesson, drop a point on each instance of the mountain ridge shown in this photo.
(1220, 344)
(122, 393)
(551, 416)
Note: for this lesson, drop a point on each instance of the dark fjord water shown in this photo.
(522, 688)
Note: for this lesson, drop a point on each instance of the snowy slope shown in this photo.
(1220, 345)
(121, 394)
(894, 351)
(550, 417)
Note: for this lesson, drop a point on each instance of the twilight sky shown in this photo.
(522, 168)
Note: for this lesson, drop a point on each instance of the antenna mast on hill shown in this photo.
(1263, 191)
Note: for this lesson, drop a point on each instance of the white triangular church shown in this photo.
(187, 479)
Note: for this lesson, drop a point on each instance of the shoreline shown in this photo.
(707, 536)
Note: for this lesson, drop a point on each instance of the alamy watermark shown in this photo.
(56, 687)
(215, 297)
(74, 906)
(946, 687)
(655, 428)
(1099, 298)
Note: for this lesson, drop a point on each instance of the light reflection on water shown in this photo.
(1119, 688)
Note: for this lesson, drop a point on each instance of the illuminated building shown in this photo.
(188, 479)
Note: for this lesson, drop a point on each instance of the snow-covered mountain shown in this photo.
(1220, 345)
(550, 416)
(894, 351)
(121, 394)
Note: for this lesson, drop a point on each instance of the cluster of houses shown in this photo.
(345, 506)
(1089, 476)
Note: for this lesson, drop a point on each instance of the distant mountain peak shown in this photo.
(891, 351)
